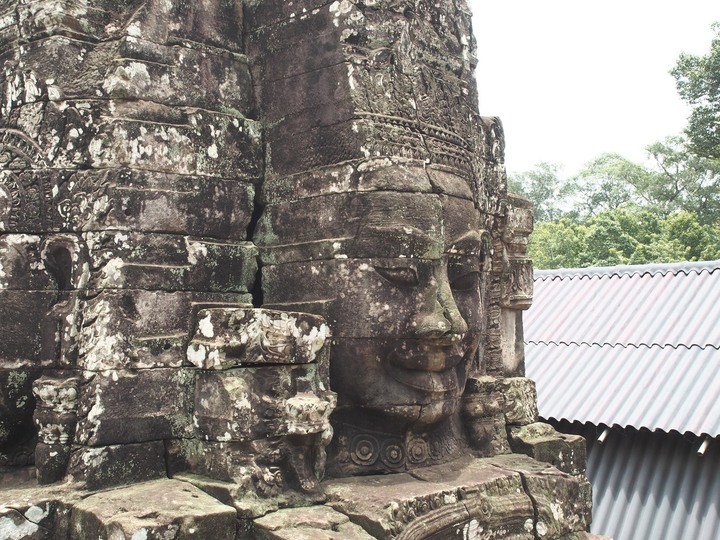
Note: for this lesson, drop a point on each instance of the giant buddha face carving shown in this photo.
(398, 274)
(408, 322)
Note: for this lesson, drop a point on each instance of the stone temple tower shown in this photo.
(260, 277)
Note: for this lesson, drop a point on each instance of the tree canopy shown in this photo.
(698, 83)
(616, 211)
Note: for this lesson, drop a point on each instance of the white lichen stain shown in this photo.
(315, 339)
(205, 326)
(557, 512)
(140, 534)
(9, 530)
(96, 412)
(95, 148)
(112, 275)
(212, 151)
(82, 281)
(195, 250)
(94, 457)
(132, 77)
(196, 354)
(134, 29)
(541, 529)
(100, 348)
(54, 93)
(214, 359)
(339, 8)
(37, 514)
(472, 530)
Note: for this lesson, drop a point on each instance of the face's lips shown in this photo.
(436, 355)
(430, 382)
(430, 366)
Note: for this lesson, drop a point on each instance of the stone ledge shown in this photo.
(511, 497)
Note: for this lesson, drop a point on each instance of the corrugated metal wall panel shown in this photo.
(636, 347)
(653, 486)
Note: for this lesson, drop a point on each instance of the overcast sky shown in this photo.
(572, 79)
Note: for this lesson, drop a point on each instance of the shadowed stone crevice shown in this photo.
(535, 520)
(256, 288)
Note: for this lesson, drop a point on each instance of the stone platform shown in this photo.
(505, 497)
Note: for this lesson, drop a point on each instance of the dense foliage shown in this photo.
(616, 211)
(698, 83)
(619, 212)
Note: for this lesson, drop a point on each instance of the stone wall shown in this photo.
(130, 160)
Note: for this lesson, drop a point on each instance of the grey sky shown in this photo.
(572, 79)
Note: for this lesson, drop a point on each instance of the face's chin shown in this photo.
(403, 381)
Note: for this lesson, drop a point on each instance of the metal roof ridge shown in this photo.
(631, 427)
(625, 345)
(685, 267)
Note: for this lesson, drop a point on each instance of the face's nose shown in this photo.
(438, 315)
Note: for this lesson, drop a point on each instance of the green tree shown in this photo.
(628, 234)
(606, 183)
(698, 83)
(543, 188)
(691, 238)
(557, 244)
(683, 181)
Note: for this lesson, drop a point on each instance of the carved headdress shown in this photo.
(399, 90)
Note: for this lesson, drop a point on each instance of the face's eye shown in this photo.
(465, 282)
(464, 273)
(402, 277)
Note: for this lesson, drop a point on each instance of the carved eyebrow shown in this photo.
(470, 243)
(419, 242)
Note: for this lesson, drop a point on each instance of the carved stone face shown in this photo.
(402, 295)
(421, 315)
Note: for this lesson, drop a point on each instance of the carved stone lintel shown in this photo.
(362, 451)
(55, 418)
(228, 338)
(508, 496)
(517, 283)
(262, 401)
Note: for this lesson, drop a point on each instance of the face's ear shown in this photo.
(485, 251)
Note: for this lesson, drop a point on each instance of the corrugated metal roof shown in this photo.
(672, 304)
(628, 346)
(650, 387)
(653, 486)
